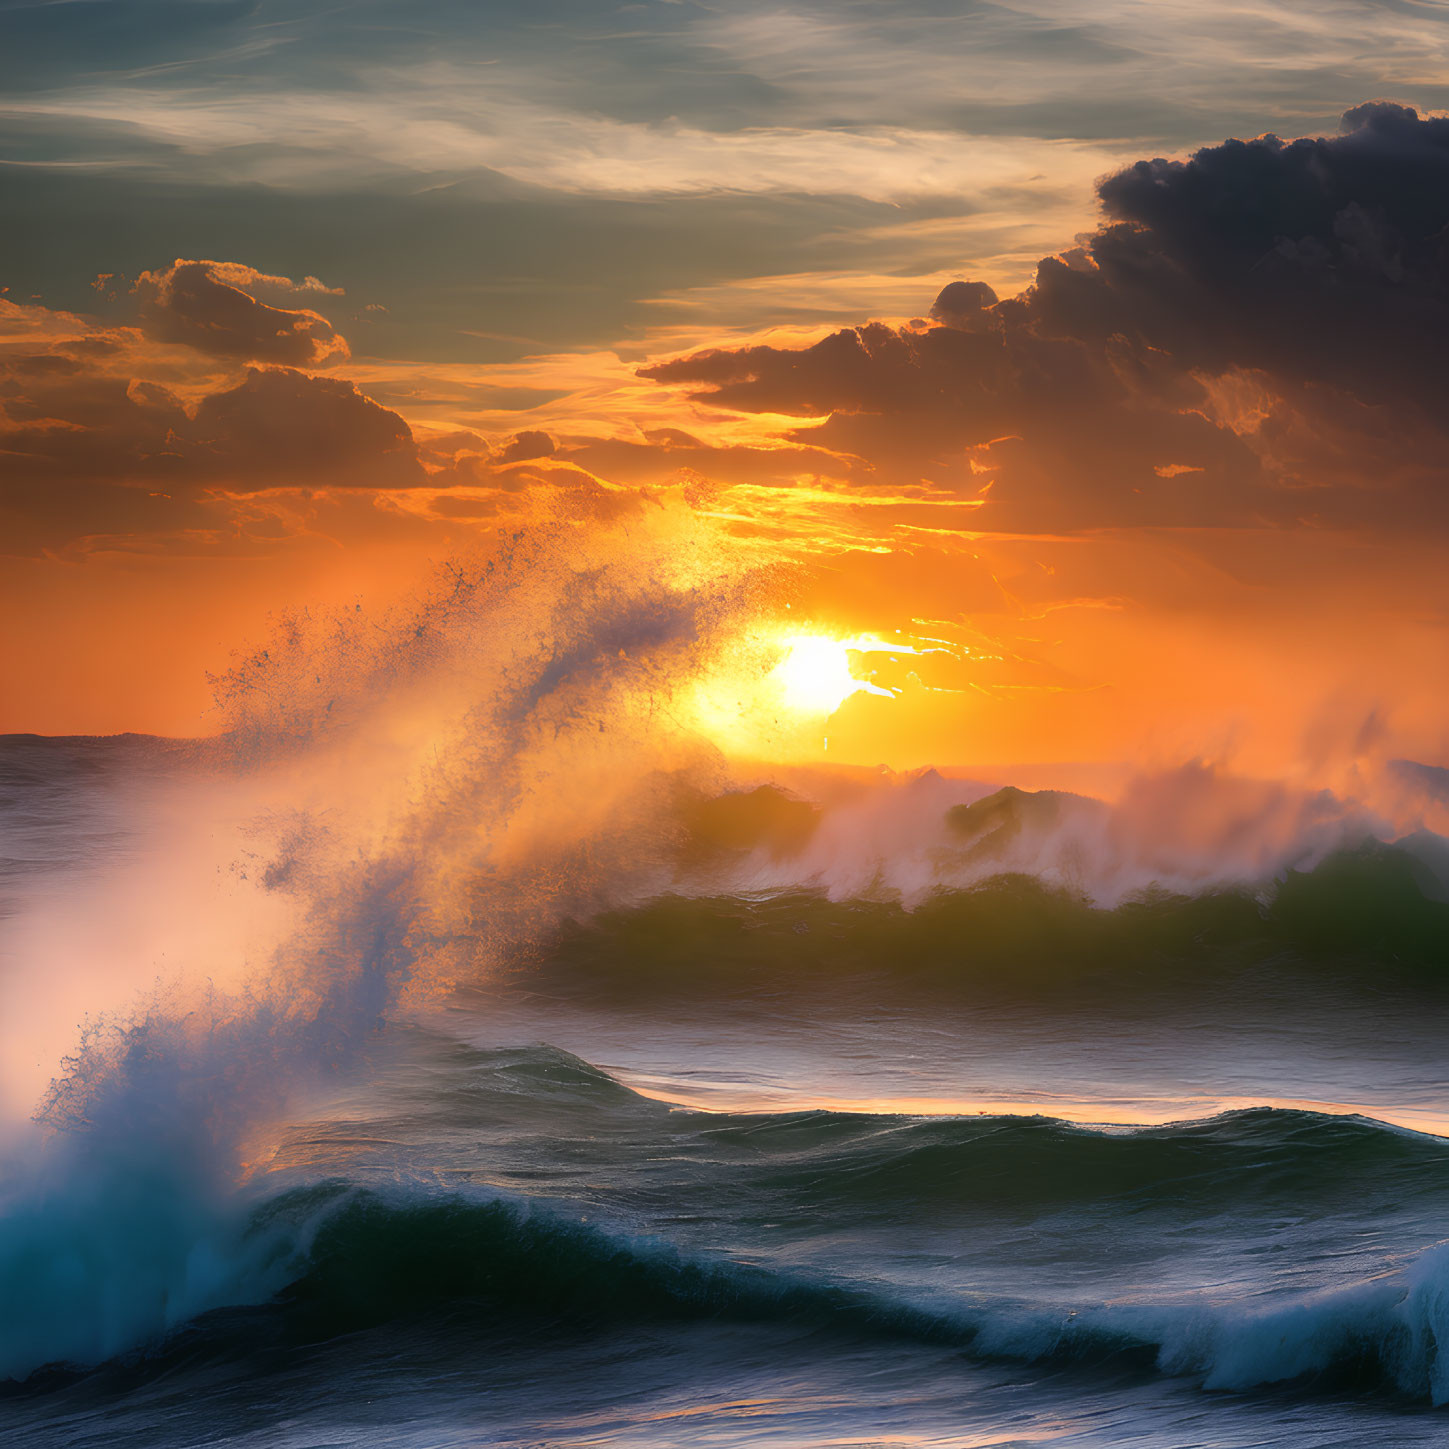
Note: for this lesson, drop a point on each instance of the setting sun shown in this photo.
(815, 674)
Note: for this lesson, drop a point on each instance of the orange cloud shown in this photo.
(115, 436)
(212, 307)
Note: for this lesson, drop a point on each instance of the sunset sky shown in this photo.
(1127, 437)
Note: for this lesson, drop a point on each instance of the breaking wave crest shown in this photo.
(377, 1258)
(331, 1258)
(1359, 914)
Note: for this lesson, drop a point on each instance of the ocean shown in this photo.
(408, 1086)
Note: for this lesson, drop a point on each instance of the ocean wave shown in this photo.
(1194, 830)
(158, 1266)
(1369, 908)
(1263, 1158)
(367, 1259)
(836, 1162)
(376, 1257)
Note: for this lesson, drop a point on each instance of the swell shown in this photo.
(308, 1263)
(377, 1259)
(540, 1107)
(1362, 912)
(494, 1267)
(1261, 1158)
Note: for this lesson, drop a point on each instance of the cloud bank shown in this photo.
(1254, 336)
(212, 307)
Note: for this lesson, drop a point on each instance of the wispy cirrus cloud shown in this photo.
(701, 147)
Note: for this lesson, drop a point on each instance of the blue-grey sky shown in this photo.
(506, 179)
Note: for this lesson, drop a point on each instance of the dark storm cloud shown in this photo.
(1256, 334)
(206, 305)
(1324, 259)
(1073, 435)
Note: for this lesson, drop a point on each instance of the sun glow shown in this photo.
(815, 675)
(771, 692)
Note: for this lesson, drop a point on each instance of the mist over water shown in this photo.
(474, 985)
